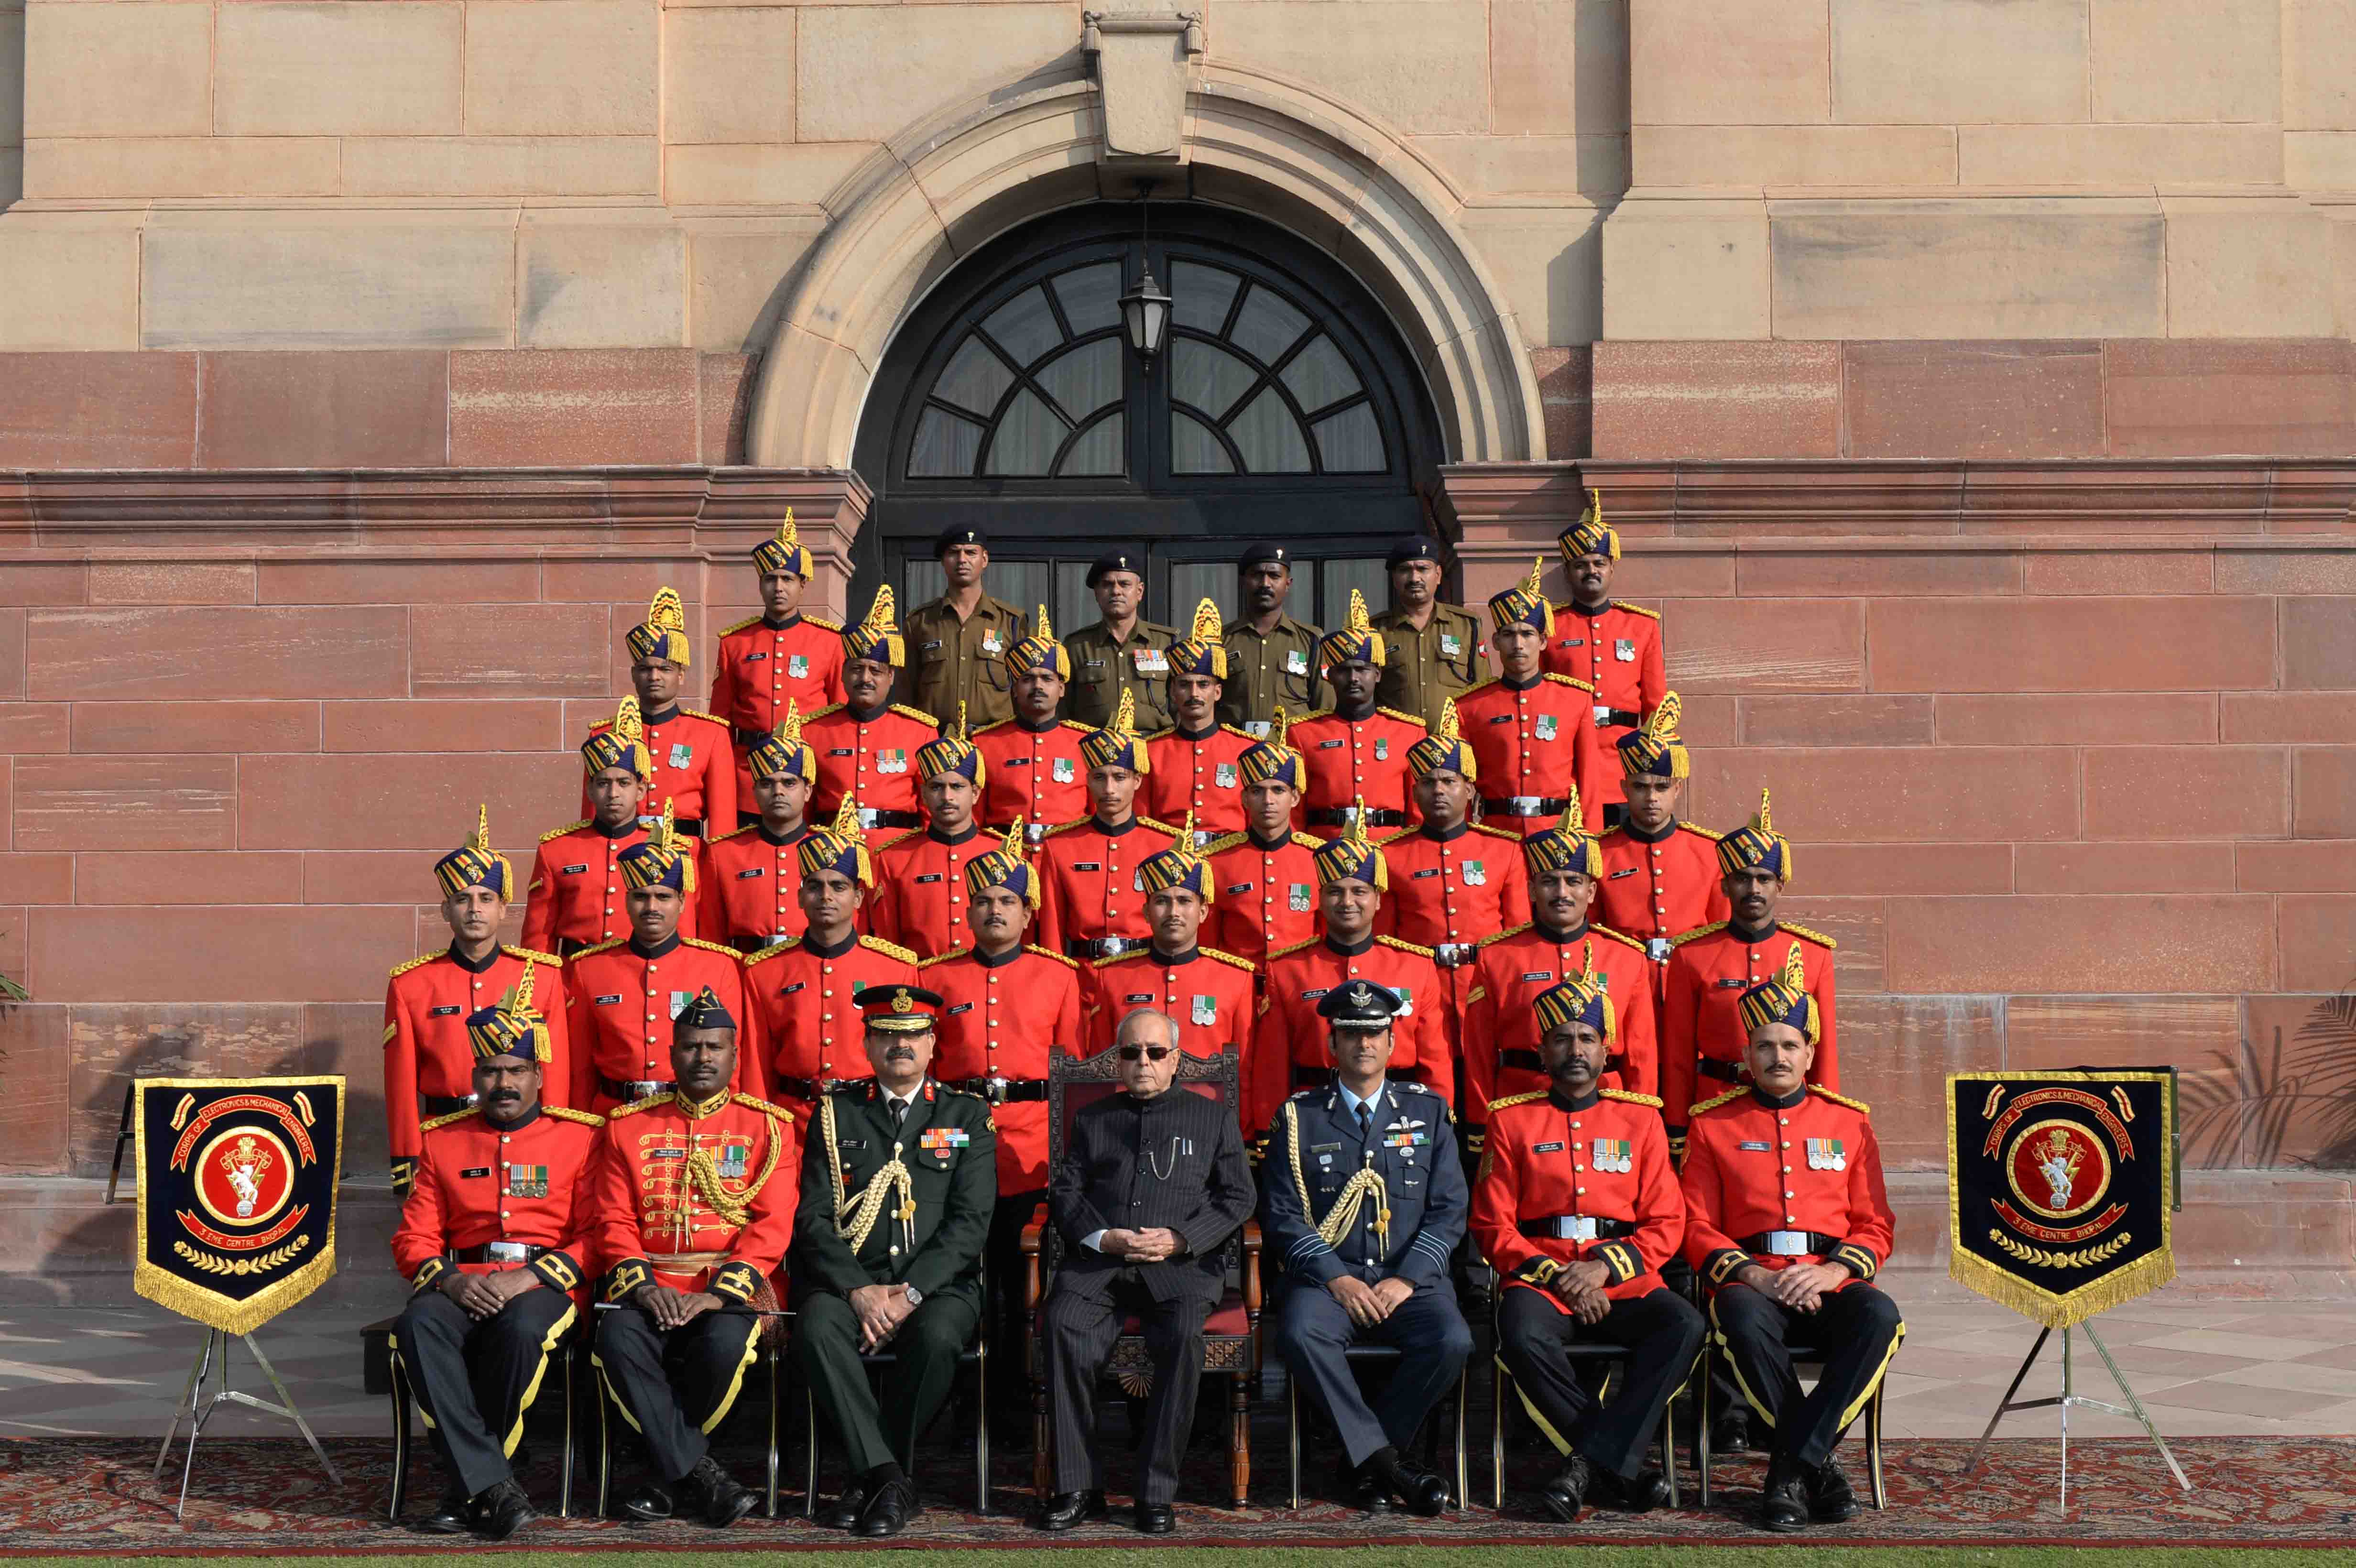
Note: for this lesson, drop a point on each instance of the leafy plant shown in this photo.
(2307, 1082)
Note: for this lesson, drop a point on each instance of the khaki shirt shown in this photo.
(1422, 669)
(951, 661)
(1280, 667)
(1102, 670)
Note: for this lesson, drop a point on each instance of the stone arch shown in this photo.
(1259, 143)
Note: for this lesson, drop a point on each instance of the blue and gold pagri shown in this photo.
(1444, 750)
(1351, 858)
(1524, 605)
(622, 744)
(667, 859)
(1177, 867)
(1272, 761)
(1038, 653)
(663, 634)
(705, 1010)
(1202, 651)
(840, 847)
(782, 753)
(1356, 641)
(510, 1026)
(1589, 536)
(1004, 866)
(1565, 847)
(785, 552)
(952, 752)
(1653, 750)
(1579, 999)
(474, 864)
(1783, 1001)
(1756, 843)
(877, 638)
(1116, 745)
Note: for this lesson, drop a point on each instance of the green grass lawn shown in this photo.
(1779, 1555)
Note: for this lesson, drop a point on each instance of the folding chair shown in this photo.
(1358, 1355)
(976, 1355)
(1588, 1353)
(1713, 1346)
(377, 1337)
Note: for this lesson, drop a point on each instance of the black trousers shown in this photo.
(676, 1388)
(1314, 1336)
(1856, 1328)
(474, 1381)
(1002, 1257)
(1080, 1331)
(1662, 1332)
(924, 1367)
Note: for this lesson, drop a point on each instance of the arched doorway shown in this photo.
(1283, 405)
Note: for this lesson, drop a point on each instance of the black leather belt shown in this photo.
(443, 1105)
(1573, 1228)
(810, 1088)
(1103, 946)
(635, 1089)
(1724, 1072)
(1455, 955)
(1318, 1077)
(1786, 1243)
(880, 819)
(497, 1252)
(1607, 717)
(691, 826)
(1524, 805)
(1529, 1058)
(566, 946)
(1342, 817)
(748, 945)
(749, 738)
(1003, 1091)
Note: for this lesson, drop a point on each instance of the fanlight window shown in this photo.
(1256, 386)
(1035, 391)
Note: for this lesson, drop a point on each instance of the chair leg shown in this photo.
(605, 1440)
(1292, 1433)
(777, 1397)
(1873, 1450)
(1463, 1461)
(1702, 1374)
(400, 1441)
(809, 1440)
(1043, 1457)
(1496, 1433)
(981, 1425)
(1669, 1446)
(1240, 1437)
(568, 1366)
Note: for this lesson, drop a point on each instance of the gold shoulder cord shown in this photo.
(1353, 1197)
(856, 1222)
(703, 1172)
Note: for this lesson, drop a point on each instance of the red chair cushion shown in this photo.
(1227, 1320)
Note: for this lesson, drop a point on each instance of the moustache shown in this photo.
(900, 1053)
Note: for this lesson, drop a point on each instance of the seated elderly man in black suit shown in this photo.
(1151, 1184)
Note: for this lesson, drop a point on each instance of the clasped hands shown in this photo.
(1579, 1286)
(484, 1295)
(881, 1309)
(1368, 1304)
(1802, 1286)
(1156, 1245)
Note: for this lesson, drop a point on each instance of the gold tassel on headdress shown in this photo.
(1662, 724)
(1359, 624)
(1206, 623)
(1042, 628)
(481, 838)
(846, 821)
(1451, 729)
(1764, 823)
(790, 729)
(1533, 584)
(667, 612)
(1124, 718)
(1794, 975)
(627, 725)
(789, 537)
(881, 613)
(1277, 723)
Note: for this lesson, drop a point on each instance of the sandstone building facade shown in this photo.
(1972, 379)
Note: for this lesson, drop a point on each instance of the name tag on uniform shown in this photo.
(796, 985)
(938, 1138)
(1297, 898)
(1476, 874)
(1536, 974)
(932, 647)
(440, 1012)
(1755, 1146)
(1572, 643)
(1224, 775)
(1625, 650)
(747, 876)
(681, 754)
(1065, 771)
(571, 871)
(606, 1001)
(1329, 745)
(797, 665)
(679, 1000)
(894, 761)
(839, 751)
(1295, 663)
(1207, 1010)
(1092, 663)
(1237, 889)
(1729, 985)
(1501, 719)
(1545, 1148)
(1615, 876)
(477, 1171)
(1614, 1154)
(1449, 645)
(850, 1144)
(1419, 876)
(755, 658)
(1152, 661)
(961, 1008)
(1315, 993)
(1087, 865)
(1137, 998)
(930, 877)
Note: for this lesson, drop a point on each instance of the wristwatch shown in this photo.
(916, 1297)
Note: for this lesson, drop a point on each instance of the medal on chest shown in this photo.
(990, 644)
(1450, 647)
(1625, 650)
(1474, 873)
(527, 1181)
(681, 754)
(1381, 750)
(1826, 1154)
(1224, 775)
(1207, 1010)
(894, 761)
(1546, 728)
(1296, 898)
(1065, 771)
(1295, 663)
(1614, 1155)
(797, 665)
(936, 1139)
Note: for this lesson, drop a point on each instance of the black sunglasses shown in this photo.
(1154, 1052)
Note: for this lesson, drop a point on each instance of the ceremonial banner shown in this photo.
(2058, 1188)
(236, 1194)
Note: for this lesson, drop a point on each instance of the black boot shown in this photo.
(1361, 1487)
(1565, 1495)
(1641, 1493)
(502, 1510)
(724, 1501)
(453, 1515)
(1730, 1432)
(1783, 1501)
(1831, 1499)
(844, 1511)
(651, 1503)
(889, 1508)
(1422, 1492)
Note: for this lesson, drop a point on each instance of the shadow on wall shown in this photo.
(2290, 1101)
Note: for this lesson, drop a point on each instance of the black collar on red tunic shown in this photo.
(1745, 934)
(1112, 829)
(938, 837)
(1268, 846)
(662, 949)
(867, 715)
(1564, 1102)
(1032, 729)
(1668, 830)
(1350, 950)
(515, 1126)
(1444, 836)
(1196, 736)
(665, 716)
(999, 960)
(1560, 938)
(472, 968)
(1170, 958)
(793, 618)
(810, 943)
(782, 839)
(1360, 716)
(1510, 684)
(1576, 608)
(1786, 1103)
(624, 831)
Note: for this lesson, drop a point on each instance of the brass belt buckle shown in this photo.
(994, 1089)
(508, 1253)
(1788, 1243)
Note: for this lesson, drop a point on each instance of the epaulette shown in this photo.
(1296, 948)
(1406, 946)
(529, 955)
(1075, 724)
(1066, 826)
(1292, 724)
(1496, 1105)
(777, 1111)
(1150, 736)
(902, 839)
(1065, 959)
(1817, 936)
(1160, 826)
(635, 1106)
(1636, 609)
(733, 832)
(712, 947)
(1570, 680)
(1245, 964)
(1713, 1103)
(988, 729)
(422, 959)
(747, 621)
(961, 1093)
(1219, 845)
(918, 714)
(1241, 735)
(567, 1113)
(829, 621)
(782, 944)
(1685, 936)
(942, 957)
(1632, 1098)
(893, 948)
(1404, 718)
(443, 1121)
(707, 718)
(1497, 833)
(1697, 828)
(1841, 1099)
(568, 827)
(830, 707)
(1618, 936)
(1509, 931)
(601, 947)
(1476, 685)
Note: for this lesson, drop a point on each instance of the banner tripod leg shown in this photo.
(2134, 1407)
(186, 1409)
(197, 1407)
(2069, 1398)
(287, 1409)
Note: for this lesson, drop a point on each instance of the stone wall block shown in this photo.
(372, 409)
(479, 724)
(2173, 943)
(1549, 262)
(33, 1117)
(2072, 644)
(125, 803)
(230, 953)
(192, 652)
(1974, 400)
(216, 725)
(853, 65)
(1888, 870)
(2119, 157)
(1793, 155)
(2248, 267)
(180, 877)
(344, 801)
(1849, 718)
(2195, 61)
(98, 409)
(1752, 646)
(2318, 64)
(132, 168)
(69, 280)
(502, 165)
(2320, 642)
(612, 284)
(2315, 716)
(2324, 792)
(2187, 792)
(131, 70)
(339, 68)
(1413, 65)
(1558, 67)
(1894, 794)
(728, 74)
(542, 406)
(2298, 866)
(2127, 867)
(1896, 1054)
(171, 583)
(510, 650)
(1684, 270)
(563, 68)
(1833, 572)
(1750, 399)
(801, 174)
(1942, 62)
(1707, 62)
(2318, 942)
(2160, 718)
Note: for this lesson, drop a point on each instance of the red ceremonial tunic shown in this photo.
(655, 1224)
(1811, 1166)
(576, 895)
(1002, 1018)
(920, 899)
(1289, 1050)
(1617, 652)
(1347, 760)
(1450, 891)
(1087, 882)
(695, 769)
(1038, 776)
(526, 1183)
(426, 1051)
(1653, 889)
(620, 1002)
(1702, 1037)
(765, 665)
(806, 1000)
(1266, 894)
(1532, 742)
(1202, 774)
(749, 890)
(1513, 967)
(1604, 1159)
(1213, 995)
(872, 759)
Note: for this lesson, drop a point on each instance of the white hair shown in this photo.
(1121, 1031)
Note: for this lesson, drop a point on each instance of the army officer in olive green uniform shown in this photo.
(1122, 651)
(899, 1180)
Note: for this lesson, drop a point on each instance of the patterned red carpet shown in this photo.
(262, 1494)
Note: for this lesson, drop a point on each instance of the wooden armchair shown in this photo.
(1231, 1335)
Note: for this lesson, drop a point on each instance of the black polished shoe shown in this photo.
(1783, 1501)
(1565, 1494)
(1648, 1490)
(1362, 1488)
(889, 1511)
(844, 1511)
(1730, 1432)
(453, 1515)
(1155, 1518)
(1831, 1499)
(1422, 1491)
(1065, 1510)
(722, 1501)
(651, 1503)
(502, 1510)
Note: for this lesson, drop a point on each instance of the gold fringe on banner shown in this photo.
(2070, 1308)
